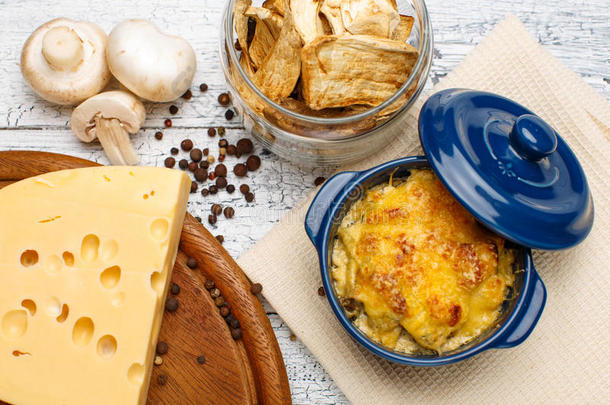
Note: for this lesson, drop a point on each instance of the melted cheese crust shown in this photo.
(415, 270)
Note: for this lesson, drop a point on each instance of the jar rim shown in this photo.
(420, 67)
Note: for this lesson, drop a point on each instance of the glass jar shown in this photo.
(319, 141)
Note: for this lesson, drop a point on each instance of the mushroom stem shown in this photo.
(62, 48)
(115, 141)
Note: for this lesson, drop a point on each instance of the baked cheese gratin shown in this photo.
(415, 271)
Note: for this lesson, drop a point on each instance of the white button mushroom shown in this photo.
(110, 117)
(64, 61)
(151, 64)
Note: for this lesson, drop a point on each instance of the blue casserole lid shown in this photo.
(508, 167)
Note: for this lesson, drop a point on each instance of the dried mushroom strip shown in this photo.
(331, 9)
(241, 23)
(402, 32)
(277, 6)
(280, 71)
(306, 19)
(370, 17)
(339, 71)
(261, 44)
(273, 20)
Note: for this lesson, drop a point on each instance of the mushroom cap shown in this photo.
(151, 64)
(117, 104)
(64, 61)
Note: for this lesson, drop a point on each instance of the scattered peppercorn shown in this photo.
(198, 218)
(224, 99)
(236, 334)
(223, 143)
(256, 288)
(201, 359)
(162, 379)
(183, 164)
(187, 94)
(221, 157)
(245, 146)
(186, 145)
(192, 263)
(221, 170)
(244, 189)
(318, 181)
(171, 305)
(211, 159)
(231, 149)
(158, 360)
(216, 209)
(209, 284)
(221, 131)
(219, 301)
(162, 348)
(229, 212)
(213, 189)
(220, 239)
(203, 87)
(192, 166)
(205, 193)
(229, 114)
(215, 292)
(170, 162)
(321, 292)
(212, 132)
(212, 218)
(224, 312)
(222, 151)
(204, 164)
(201, 175)
(159, 135)
(250, 197)
(212, 176)
(175, 290)
(196, 155)
(173, 109)
(253, 163)
(240, 170)
(167, 123)
(221, 182)
(174, 151)
(230, 188)
(194, 186)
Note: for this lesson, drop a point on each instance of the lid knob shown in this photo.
(532, 138)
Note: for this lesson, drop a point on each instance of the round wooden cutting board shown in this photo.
(246, 371)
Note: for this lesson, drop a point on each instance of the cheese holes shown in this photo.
(106, 346)
(118, 299)
(30, 305)
(135, 374)
(159, 229)
(52, 265)
(110, 248)
(110, 277)
(83, 331)
(68, 259)
(156, 282)
(53, 307)
(89, 248)
(29, 258)
(65, 311)
(14, 324)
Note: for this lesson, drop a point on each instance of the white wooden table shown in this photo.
(575, 31)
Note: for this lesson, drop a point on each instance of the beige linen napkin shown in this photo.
(567, 355)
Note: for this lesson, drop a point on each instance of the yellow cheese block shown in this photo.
(85, 261)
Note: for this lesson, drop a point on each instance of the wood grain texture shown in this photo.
(574, 31)
(247, 371)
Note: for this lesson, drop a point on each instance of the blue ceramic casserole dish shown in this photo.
(525, 301)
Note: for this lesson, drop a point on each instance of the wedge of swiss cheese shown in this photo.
(85, 260)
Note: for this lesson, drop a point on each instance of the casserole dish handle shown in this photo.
(528, 315)
(319, 211)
